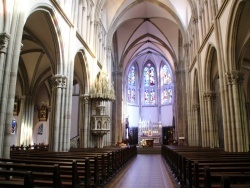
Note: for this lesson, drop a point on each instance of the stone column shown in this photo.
(84, 21)
(206, 122)
(117, 110)
(190, 128)
(211, 120)
(8, 89)
(80, 21)
(84, 124)
(4, 41)
(64, 143)
(75, 19)
(196, 124)
(56, 129)
(27, 115)
(73, 10)
(248, 116)
(238, 111)
(88, 29)
(231, 140)
(210, 12)
(97, 39)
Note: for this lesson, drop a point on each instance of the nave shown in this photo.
(145, 171)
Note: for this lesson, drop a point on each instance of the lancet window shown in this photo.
(166, 84)
(131, 91)
(149, 78)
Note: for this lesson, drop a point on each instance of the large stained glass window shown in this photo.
(166, 84)
(131, 91)
(149, 77)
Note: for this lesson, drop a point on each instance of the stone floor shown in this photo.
(145, 171)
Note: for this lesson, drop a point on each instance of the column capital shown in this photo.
(209, 95)
(85, 98)
(4, 41)
(195, 20)
(59, 81)
(196, 106)
(234, 77)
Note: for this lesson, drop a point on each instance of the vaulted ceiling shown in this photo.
(142, 30)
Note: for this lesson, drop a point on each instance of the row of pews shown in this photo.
(30, 147)
(196, 167)
(77, 168)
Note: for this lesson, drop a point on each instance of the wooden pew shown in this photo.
(182, 162)
(42, 175)
(226, 179)
(26, 179)
(103, 163)
(72, 173)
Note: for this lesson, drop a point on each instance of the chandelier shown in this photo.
(102, 89)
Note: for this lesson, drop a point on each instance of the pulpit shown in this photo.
(100, 125)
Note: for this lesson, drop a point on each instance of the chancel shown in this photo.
(152, 93)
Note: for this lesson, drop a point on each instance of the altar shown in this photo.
(150, 132)
(155, 138)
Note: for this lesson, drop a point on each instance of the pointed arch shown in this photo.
(210, 68)
(84, 77)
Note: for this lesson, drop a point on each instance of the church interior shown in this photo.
(96, 74)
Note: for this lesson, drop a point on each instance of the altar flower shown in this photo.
(143, 143)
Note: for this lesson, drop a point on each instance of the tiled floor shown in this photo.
(145, 171)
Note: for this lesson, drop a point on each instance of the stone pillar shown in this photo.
(208, 16)
(239, 126)
(4, 41)
(27, 115)
(75, 19)
(8, 88)
(190, 128)
(117, 109)
(248, 116)
(210, 11)
(205, 123)
(84, 124)
(203, 22)
(96, 38)
(196, 124)
(211, 122)
(80, 21)
(84, 21)
(64, 138)
(56, 124)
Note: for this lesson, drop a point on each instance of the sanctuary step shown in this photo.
(149, 150)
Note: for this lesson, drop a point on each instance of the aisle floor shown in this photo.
(145, 171)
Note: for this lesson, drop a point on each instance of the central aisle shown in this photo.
(145, 171)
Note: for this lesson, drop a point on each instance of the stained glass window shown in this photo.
(131, 91)
(131, 76)
(13, 126)
(149, 84)
(165, 75)
(166, 84)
